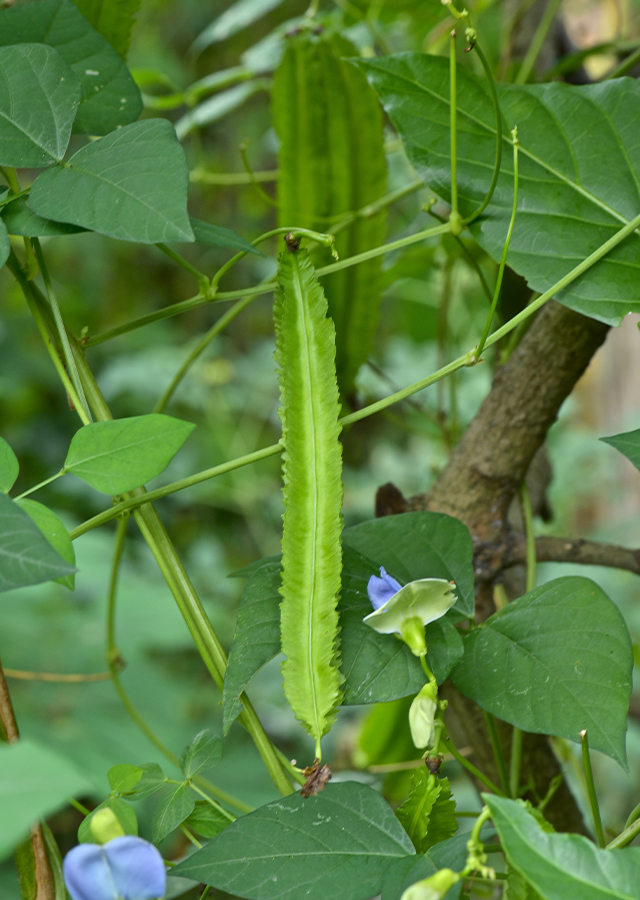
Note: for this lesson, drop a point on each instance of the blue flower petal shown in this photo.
(382, 589)
(87, 874)
(137, 868)
(126, 868)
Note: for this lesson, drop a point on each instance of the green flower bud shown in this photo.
(422, 715)
(105, 826)
(432, 888)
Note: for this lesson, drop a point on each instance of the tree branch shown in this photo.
(575, 550)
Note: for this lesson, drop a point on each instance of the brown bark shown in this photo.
(479, 484)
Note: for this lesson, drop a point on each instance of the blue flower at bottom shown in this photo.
(382, 589)
(126, 868)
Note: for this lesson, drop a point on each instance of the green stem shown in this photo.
(633, 815)
(505, 250)
(41, 484)
(455, 221)
(139, 500)
(485, 815)
(212, 802)
(538, 40)
(204, 284)
(447, 743)
(625, 66)
(497, 750)
(498, 160)
(187, 600)
(37, 305)
(527, 515)
(62, 332)
(199, 348)
(515, 762)
(591, 789)
(625, 838)
(230, 178)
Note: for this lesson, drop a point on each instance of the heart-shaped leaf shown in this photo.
(555, 661)
(38, 103)
(337, 844)
(628, 444)
(130, 185)
(26, 556)
(568, 137)
(110, 97)
(116, 456)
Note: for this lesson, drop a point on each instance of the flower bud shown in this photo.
(105, 825)
(432, 888)
(422, 714)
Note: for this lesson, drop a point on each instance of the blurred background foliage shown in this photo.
(432, 308)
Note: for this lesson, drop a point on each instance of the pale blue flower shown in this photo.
(382, 589)
(126, 868)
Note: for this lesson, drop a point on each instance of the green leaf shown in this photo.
(124, 778)
(9, 467)
(123, 813)
(418, 545)
(312, 466)
(202, 752)
(116, 456)
(207, 820)
(238, 16)
(428, 815)
(130, 185)
(556, 661)
(568, 137)
(176, 805)
(55, 532)
(517, 887)
(38, 104)
(20, 219)
(110, 97)
(216, 236)
(34, 783)
(336, 844)
(153, 778)
(257, 637)
(26, 556)
(331, 163)
(5, 244)
(113, 19)
(563, 866)
(628, 444)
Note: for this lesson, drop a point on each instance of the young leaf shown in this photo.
(203, 752)
(207, 820)
(176, 805)
(121, 454)
(123, 813)
(114, 21)
(124, 778)
(34, 782)
(38, 104)
(428, 815)
(311, 553)
(337, 844)
(130, 185)
(9, 467)
(554, 662)
(331, 163)
(55, 532)
(26, 556)
(216, 236)
(563, 866)
(110, 97)
(628, 444)
(565, 209)
(152, 779)
(20, 219)
(214, 108)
